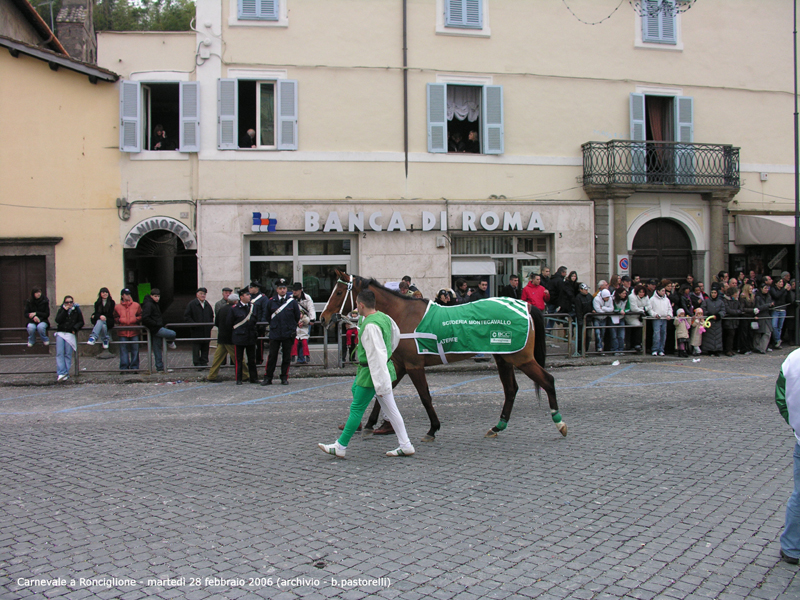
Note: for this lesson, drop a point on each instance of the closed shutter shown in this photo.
(659, 22)
(492, 118)
(248, 9)
(227, 103)
(437, 117)
(463, 13)
(287, 114)
(130, 114)
(684, 135)
(190, 116)
(268, 9)
(638, 134)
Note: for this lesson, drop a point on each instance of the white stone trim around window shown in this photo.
(485, 31)
(159, 155)
(159, 76)
(650, 90)
(234, 21)
(637, 36)
(464, 79)
(257, 74)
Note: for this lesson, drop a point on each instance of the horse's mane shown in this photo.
(365, 282)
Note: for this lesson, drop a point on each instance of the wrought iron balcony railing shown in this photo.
(646, 165)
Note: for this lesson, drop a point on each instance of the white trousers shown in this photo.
(395, 418)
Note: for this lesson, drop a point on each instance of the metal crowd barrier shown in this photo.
(569, 334)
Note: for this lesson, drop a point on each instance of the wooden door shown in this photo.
(662, 250)
(18, 274)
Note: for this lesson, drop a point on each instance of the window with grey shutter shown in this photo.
(638, 134)
(684, 135)
(492, 113)
(227, 104)
(189, 105)
(130, 115)
(287, 114)
(464, 14)
(437, 117)
(659, 22)
(259, 10)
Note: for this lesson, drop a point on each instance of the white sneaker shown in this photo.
(401, 452)
(30, 345)
(661, 354)
(655, 353)
(172, 346)
(62, 378)
(46, 342)
(105, 345)
(335, 448)
(91, 341)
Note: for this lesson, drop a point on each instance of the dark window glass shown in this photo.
(323, 247)
(270, 247)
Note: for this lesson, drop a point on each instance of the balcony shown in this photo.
(632, 166)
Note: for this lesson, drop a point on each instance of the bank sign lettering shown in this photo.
(470, 221)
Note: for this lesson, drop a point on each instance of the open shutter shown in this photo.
(287, 114)
(638, 134)
(437, 117)
(130, 116)
(684, 135)
(190, 116)
(227, 103)
(492, 118)
(268, 9)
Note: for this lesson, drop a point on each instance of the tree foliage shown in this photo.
(134, 15)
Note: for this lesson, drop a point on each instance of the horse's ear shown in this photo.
(338, 273)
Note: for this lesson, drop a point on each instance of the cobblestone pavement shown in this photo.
(672, 483)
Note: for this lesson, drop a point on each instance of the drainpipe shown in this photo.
(405, 83)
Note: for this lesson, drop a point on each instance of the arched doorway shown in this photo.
(161, 260)
(662, 250)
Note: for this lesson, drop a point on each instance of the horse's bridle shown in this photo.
(349, 294)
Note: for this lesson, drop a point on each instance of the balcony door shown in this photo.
(666, 125)
(662, 250)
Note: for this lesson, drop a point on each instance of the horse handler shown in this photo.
(378, 337)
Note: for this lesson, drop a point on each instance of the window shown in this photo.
(659, 22)
(466, 14)
(257, 114)
(259, 10)
(662, 120)
(159, 116)
(465, 118)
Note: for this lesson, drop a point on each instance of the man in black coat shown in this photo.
(243, 335)
(200, 311)
(283, 316)
(154, 321)
(512, 290)
(259, 302)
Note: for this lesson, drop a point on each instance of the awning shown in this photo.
(474, 266)
(764, 230)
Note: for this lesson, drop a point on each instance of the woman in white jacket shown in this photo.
(638, 303)
(308, 314)
(603, 305)
(660, 308)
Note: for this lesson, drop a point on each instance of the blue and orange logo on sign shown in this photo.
(264, 222)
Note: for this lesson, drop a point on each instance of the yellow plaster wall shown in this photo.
(59, 168)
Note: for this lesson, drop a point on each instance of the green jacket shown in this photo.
(363, 377)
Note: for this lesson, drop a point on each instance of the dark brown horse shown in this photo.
(407, 312)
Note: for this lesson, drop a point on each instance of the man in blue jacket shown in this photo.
(787, 397)
(283, 315)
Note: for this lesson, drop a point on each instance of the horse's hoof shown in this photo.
(491, 434)
(563, 428)
(428, 438)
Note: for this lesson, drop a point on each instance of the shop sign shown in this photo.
(470, 221)
(155, 223)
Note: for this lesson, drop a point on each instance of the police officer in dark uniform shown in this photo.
(283, 315)
(243, 336)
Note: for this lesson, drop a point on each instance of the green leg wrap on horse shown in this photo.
(502, 424)
(556, 416)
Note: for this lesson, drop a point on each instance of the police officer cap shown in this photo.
(280, 283)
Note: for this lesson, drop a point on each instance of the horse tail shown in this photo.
(539, 342)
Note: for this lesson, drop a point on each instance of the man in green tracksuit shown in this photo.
(378, 336)
(787, 397)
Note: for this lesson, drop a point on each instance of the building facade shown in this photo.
(447, 138)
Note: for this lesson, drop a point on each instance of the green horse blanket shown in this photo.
(493, 325)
